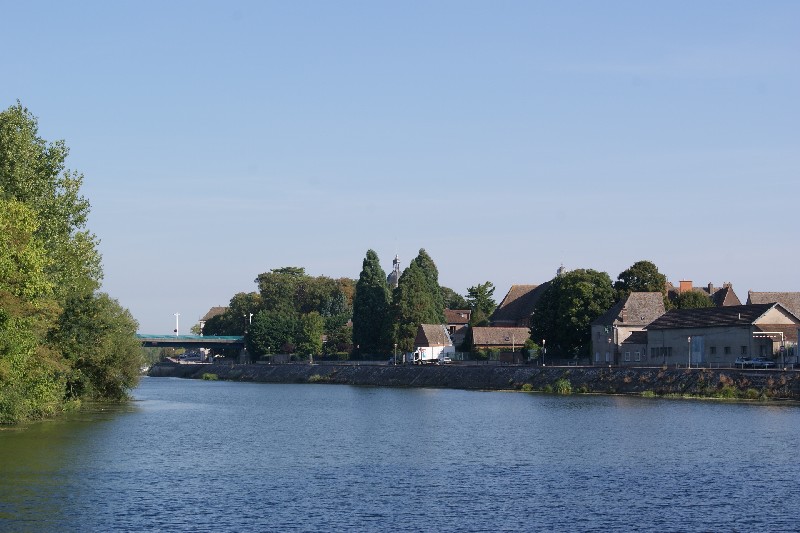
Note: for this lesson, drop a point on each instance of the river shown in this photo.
(191, 455)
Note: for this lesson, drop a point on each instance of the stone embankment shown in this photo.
(719, 383)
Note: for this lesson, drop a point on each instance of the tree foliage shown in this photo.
(480, 298)
(565, 311)
(371, 309)
(60, 340)
(693, 300)
(453, 300)
(642, 276)
(417, 300)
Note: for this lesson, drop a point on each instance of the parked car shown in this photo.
(742, 362)
(762, 362)
(446, 360)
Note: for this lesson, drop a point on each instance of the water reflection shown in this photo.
(193, 455)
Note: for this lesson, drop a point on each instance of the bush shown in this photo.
(562, 386)
(527, 387)
(210, 377)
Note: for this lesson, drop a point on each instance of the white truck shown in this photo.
(430, 356)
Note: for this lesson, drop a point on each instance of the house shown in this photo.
(214, 311)
(720, 296)
(432, 340)
(507, 340)
(790, 300)
(612, 329)
(457, 324)
(720, 335)
(516, 308)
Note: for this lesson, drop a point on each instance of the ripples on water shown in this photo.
(215, 456)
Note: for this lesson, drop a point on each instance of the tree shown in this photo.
(98, 337)
(309, 341)
(33, 172)
(565, 311)
(417, 300)
(279, 288)
(453, 300)
(479, 298)
(371, 319)
(273, 331)
(642, 276)
(693, 300)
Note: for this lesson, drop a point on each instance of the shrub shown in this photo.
(648, 394)
(562, 386)
(527, 387)
(316, 378)
(210, 377)
(751, 394)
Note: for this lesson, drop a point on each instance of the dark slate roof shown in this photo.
(457, 316)
(790, 300)
(637, 337)
(518, 303)
(432, 335)
(214, 311)
(735, 315)
(499, 336)
(636, 309)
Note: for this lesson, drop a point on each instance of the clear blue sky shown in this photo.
(219, 140)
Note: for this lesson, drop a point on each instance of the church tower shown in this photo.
(393, 279)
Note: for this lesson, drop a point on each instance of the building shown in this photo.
(457, 324)
(517, 307)
(393, 279)
(720, 335)
(611, 330)
(790, 300)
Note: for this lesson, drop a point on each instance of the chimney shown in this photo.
(685, 286)
(710, 288)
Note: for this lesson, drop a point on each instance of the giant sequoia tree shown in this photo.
(60, 340)
(371, 319)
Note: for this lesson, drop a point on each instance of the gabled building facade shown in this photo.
(720, 335)
(720, 296)
(612, 329)
(432, 340)
(457, 324)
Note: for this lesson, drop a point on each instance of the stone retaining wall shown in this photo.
(752, 384)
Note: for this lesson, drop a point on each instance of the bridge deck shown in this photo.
(189, 341)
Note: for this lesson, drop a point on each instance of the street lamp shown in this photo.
(176, 323)
(395, 353)
(544, 351)
(689, 340)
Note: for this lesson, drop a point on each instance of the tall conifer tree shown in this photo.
(417, 300)
(371, 324)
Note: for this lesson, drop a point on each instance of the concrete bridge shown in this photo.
(191, 341)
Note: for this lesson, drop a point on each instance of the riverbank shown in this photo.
(703, 382)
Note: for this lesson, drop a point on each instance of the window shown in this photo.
(597, 357)
(637, 356)
(608, 357)
(727, 350)
(712, 350)
(627, 356)
(744, 350)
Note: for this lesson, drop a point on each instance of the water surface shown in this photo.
(218, 456)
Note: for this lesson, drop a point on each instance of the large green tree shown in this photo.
(453, 300)
(417, 300)
(642, 276)
(565, 311)
(371, 310)
(60, 341)
(312, 327)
